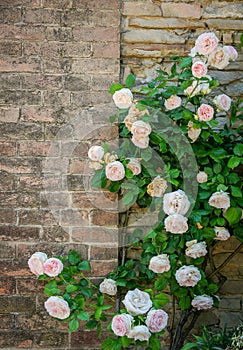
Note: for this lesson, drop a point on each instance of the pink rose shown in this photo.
(188, 276)
(57, 307)
(159, 263)
(36, 262)
(233, 54)
(115, 171)
(96, 153)
(53, 267)
(219, 58)
(123, 98)
(156, 320)
(222, 234)
(139, 333)
(121, 324)
(202, 302)
(134, 166)
(173, 102)
(205, 112)
(140, 128)
(222, 102)
(140, 141)
(199, 69)
(206, 43)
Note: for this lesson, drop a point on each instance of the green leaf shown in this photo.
(160, 300)
(233, 215)
(235, 191)
(112, 118)
(233, 162)
(217, 168)
(71, 288)
(52, 291)
(186, 62)
(185, 303)
(128, 199)
(190, 346)
(73, 325)
(160, 284)
(115, 87)
(238, 149)
(91, 324)
(130, 80)
(212, 288)
(111, 344)
(84, 265)
(208, 233)
(125, 342)
(154, 343)
(83, 316)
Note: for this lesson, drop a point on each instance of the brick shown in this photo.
(140, 9)
(7, 181)
(60, 4)
(56, 65)
(10, 15)
(44, 49)
(76, 83)
(8, 216)
(40, 114)
(9, 31)
(96, 34)
(56, 165)
(33, 148)
(106, 16)
(20, 166)
(55, 234)
(10, 81)
(8, 148)
(101, 253)
(101, 133)
(154, 50)
(40, 16)
(38, 322)
(7, 250)
(89, 235)
(29, 286)
(37, 217)
(93, 4)
(56, 98)
(181, 10)
(152, 36)
(223, 10)
(16, 131)
(74, 217)
(106, 50)
(13, 2)
(230, 304)
(83, 49)
(101, 200)
(6, 321)
(20, 339)
(74, 149)
(17, 233)
(90, 99)
(20, 97)
(41, 81)
(7, 286)
(19, 199)
(82, 17)
(76, 182)
(33, 182)
(10, 48)
(31, 3)
(59, 33)
(55, 200)
(102, 268)
(15, 268)
(9, 114)
(103, 82)
(225, 23)
(87, 339)
(54, 131)
(173, 23)
(103, 66)
(19, 65)
(104, 218)
(51, 339)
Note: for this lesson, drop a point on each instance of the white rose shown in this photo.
(159, 263)
(96, 153)
(123, 98)
(140, 141)
(115, 171)
(222, 234)
(157, 187)
(193, 133)
(188, 276)
(220, 200)
(36, 263)
(176, 203)
(139, 333)
(137, 302)
(129, 120)
(219, 58)
(202, 302)
(176, 223)
(222, 102)
(140, 128)
(233, 54)
(134, 166)
(135, 112)
(109, 157)
(173, 102)
(202, 177)
(108, 286)
(196, 250)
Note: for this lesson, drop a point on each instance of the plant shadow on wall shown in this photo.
(177, 162)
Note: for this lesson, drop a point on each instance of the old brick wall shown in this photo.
(57, 61)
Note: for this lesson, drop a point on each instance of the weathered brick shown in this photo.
(13, 338)
(76, 182)
(59, 33)
(89, 235)
(74, 149)
(101, 200)
(101, 253)
(77, 83)
(106, 50)
(96, 34)
(7, 250)
(40, 16)
(51, 339)
(36, 217)
(102, 268)
(18, 233)
(104, 218)
(10, 15)
(79, 166)
(140, 9)
(9, 114)
(89, 99)
(103, 82)
(20, 166)
(36, 322)
(31, 3)
(44, 49)
(173, 23)
(11, 64)
(181, 10)
(10, 48)
(8, 148)
(56, 165)
(6, 321)
(7, 181)
(87, 339)
(41, 81)
(33, 182)
(20, 97)
(154, 50)
(17, 131)
(103, 66)
(93, 4)
(15, 268)
(7, 285)
(25, 32)
(8, 216)
(55, 200)
(19, 199)
(83, 49)
(10, 81)
(152, 36)
(74, 217)
(32, 148)
(56, 98)
(40, 114)
(55, 234)
(227, 24)
(56, 65)
(106, 16)
(29, 286)
(60, 4)
(223, 10)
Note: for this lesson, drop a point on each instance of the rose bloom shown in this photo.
(140, 128)
(108, 286)
(193, 89)
(139, 333)
(206, 43)
(222, 234)
(220, 200)
(109, 158)
(202, 177)
(36, 262)
(95, 165)
(205, 112)
(156, 320)
(219, 58)
(176, 223)
(173, 102)
(222, 102)
(121, 324)
(115, 171)
(159, 263)
(176, 203)
(96, 153)
(57, 307)
(53, 267)
(123, 98)
(196, 250)
(135, 112)
(193, 133)
(140, 141)
(199, 69)
(188, 276)
(157, 187)
(134, 166)
(202, 302)
(233, 54)
(137, 302)
(129, 120)
(204, 88)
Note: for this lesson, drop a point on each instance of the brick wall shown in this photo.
(57, 61)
